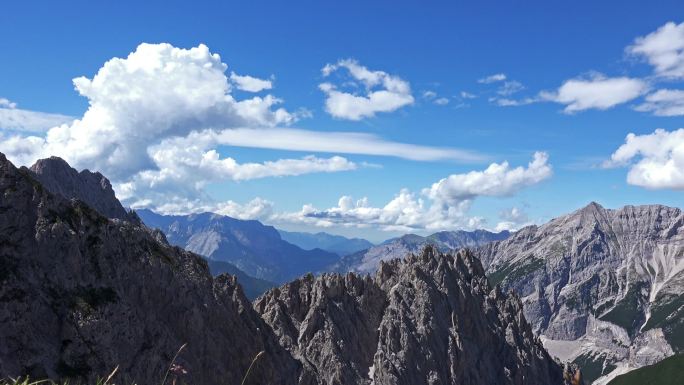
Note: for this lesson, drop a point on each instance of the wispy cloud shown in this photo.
(13, 118)
(340, 142)
(492, 78)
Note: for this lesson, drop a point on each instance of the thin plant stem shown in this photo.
(261, 353)
(172, 362)
(111, 375)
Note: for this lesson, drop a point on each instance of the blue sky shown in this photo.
(439, 52)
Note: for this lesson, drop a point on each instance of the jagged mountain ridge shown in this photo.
(603, 287)
(81, 294)
(430, 318)
(333, 243)
(367, 261)
(254, 248)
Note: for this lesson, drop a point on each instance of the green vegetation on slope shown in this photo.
(669, 371)
(511, 273)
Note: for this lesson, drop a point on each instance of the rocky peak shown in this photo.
(429, 318)
(92, 188)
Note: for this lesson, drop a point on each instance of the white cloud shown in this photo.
(664, 50)
(467, 95)
(499, 179)
(445, 205)
(596, 92)
(257, 208)
(158, 91)
(441, 101)
(492, 78)
(664, 103)
(405, 212)
(143, 112)
(512, 219)
(249, 83)
(383, 92)
(339, 142)
(655, 161)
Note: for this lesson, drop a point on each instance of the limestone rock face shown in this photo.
(430, 318)
(602, 287)
(81, 294)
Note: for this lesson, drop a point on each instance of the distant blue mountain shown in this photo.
(252, 247)
(333, 243)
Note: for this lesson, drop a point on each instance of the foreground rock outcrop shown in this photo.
(431, 318)
(81, 294)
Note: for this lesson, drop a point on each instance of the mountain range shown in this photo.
(82, 293)
(261, 254)
(252, 247)
(601, 288)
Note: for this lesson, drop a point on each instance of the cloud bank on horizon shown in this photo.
(157, 121)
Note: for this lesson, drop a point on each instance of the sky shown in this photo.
(359, 118)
